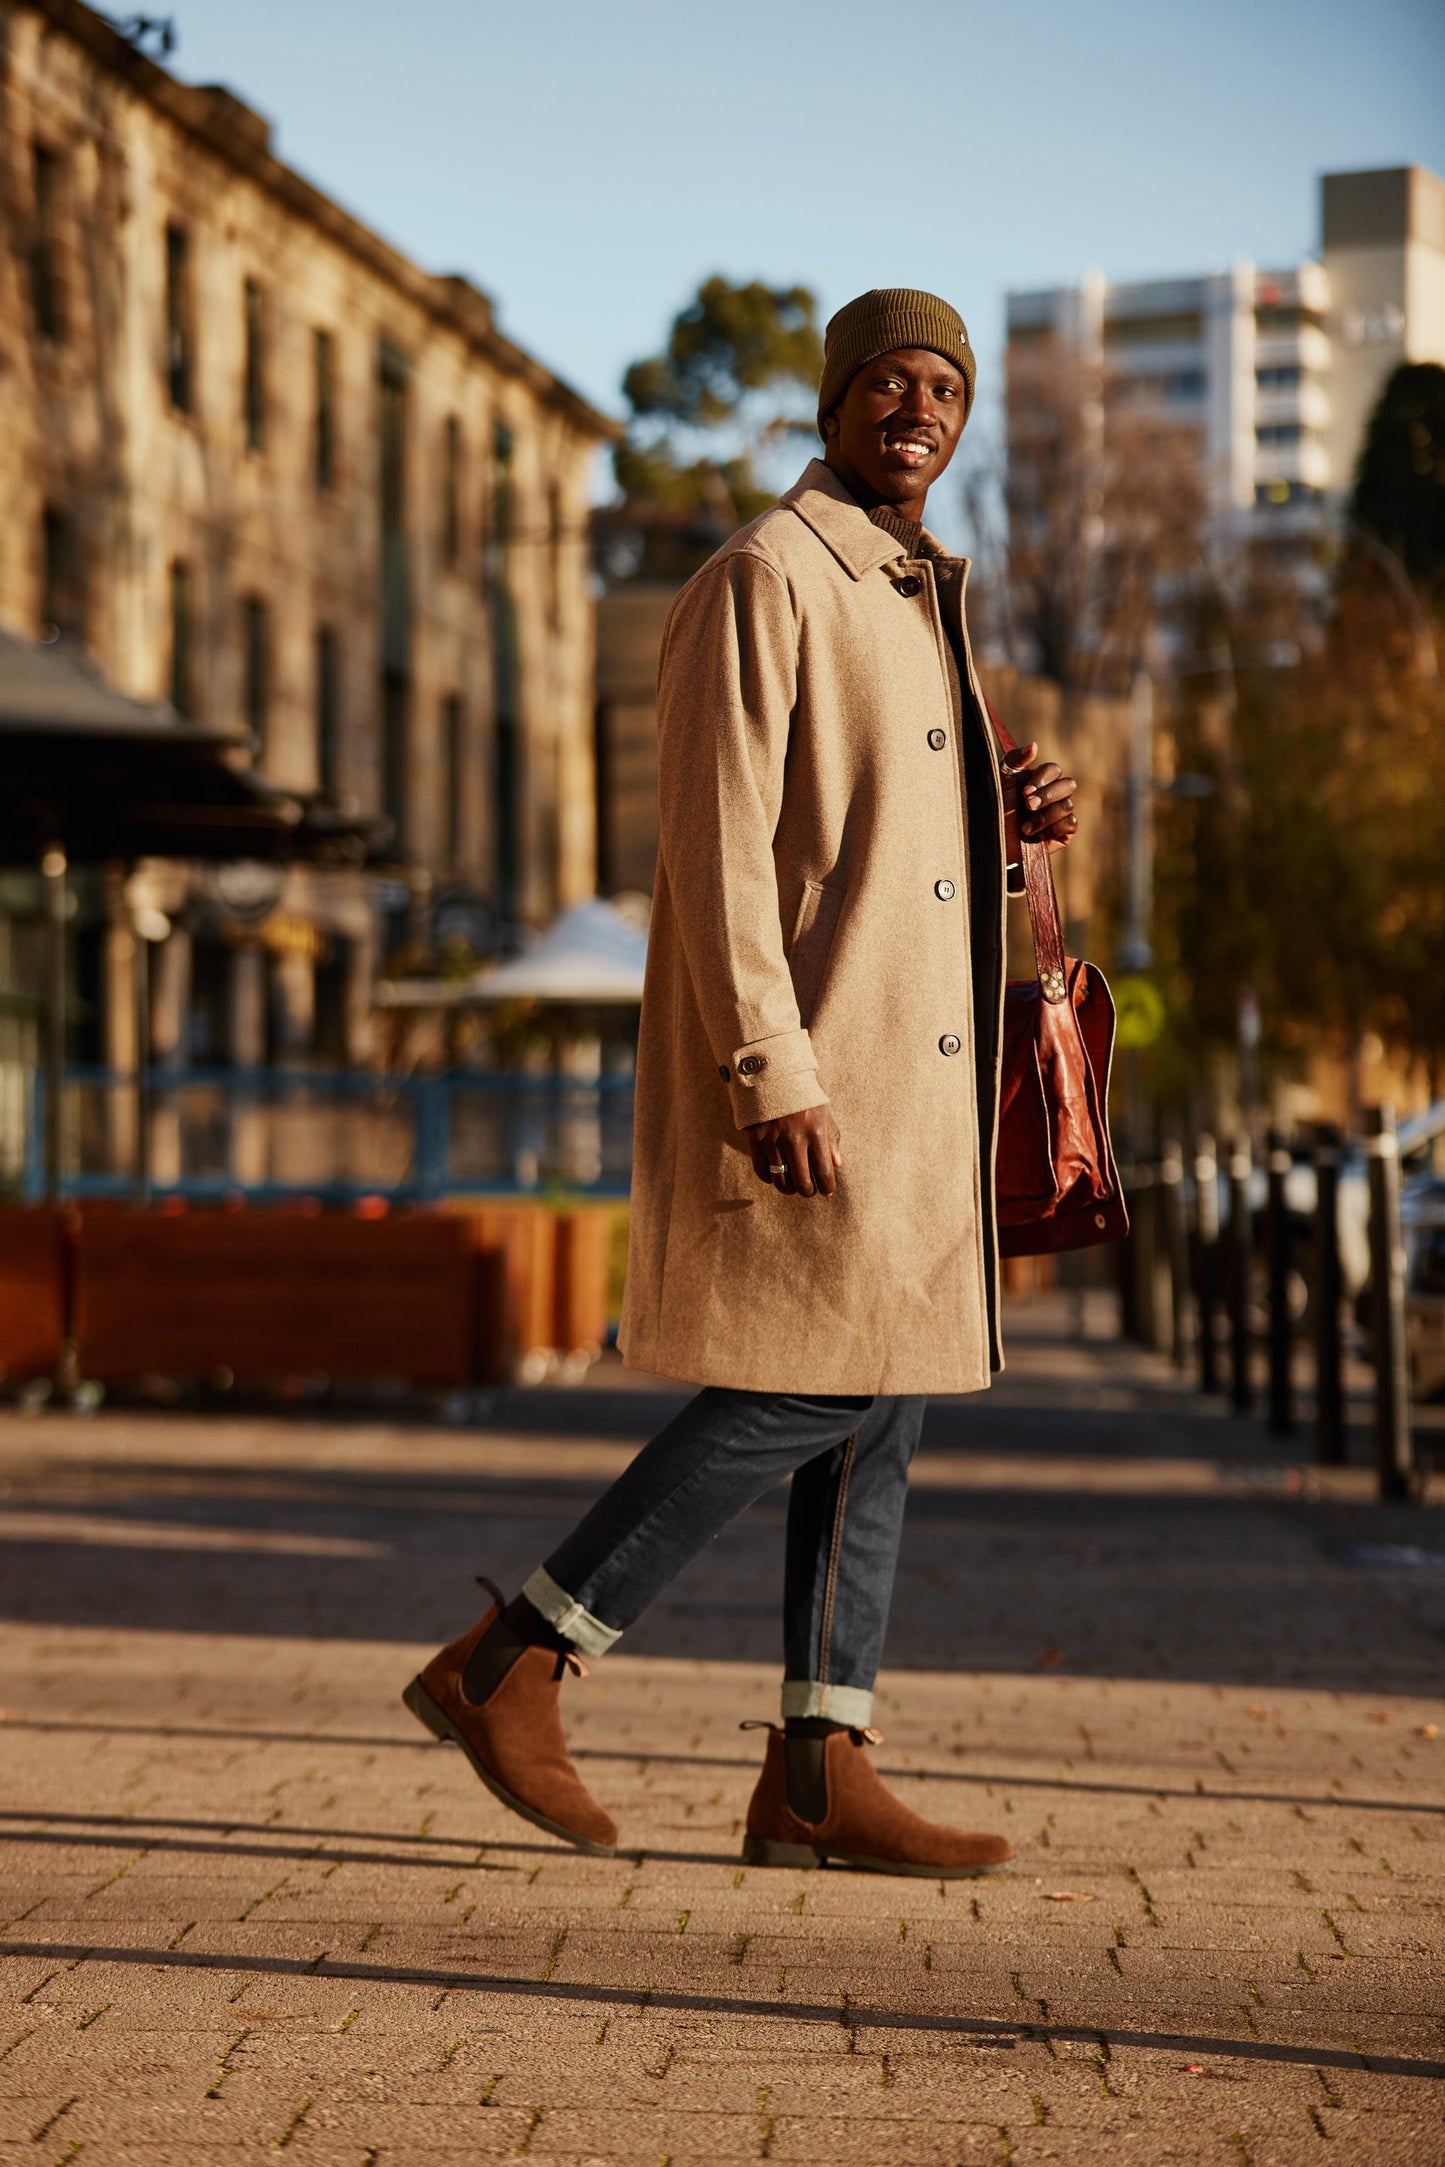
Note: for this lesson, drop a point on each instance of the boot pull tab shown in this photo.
(569, 1659)
(758, 1723)
(489, 1587)
(862, 1736)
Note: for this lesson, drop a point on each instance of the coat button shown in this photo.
(723, 1073)
(938, 739)
(944, 890)
(949, 1043)
(910, 586)
(752, 1064)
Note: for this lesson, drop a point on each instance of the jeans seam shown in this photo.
(835, 1551)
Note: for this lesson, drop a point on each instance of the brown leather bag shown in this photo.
(1056, 1181)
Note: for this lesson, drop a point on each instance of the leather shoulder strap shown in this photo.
(1041, 895)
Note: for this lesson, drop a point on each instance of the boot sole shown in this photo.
(762, 1851)
(442, 1728)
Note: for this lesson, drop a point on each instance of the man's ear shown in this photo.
(829, 425)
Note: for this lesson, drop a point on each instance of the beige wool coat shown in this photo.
(827, 927)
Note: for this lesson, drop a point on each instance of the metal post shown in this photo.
(1281, 1331)
(1176, 1248)
(1206, 1243)
(1328, 1291)
(142, 1168)
(52, 870)
(1241, 1256)
(1394, 1440)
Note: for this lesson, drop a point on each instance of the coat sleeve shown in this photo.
(726, 690)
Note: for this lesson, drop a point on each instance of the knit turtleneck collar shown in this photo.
(910, 532)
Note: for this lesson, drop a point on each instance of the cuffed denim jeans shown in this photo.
(849, 1462)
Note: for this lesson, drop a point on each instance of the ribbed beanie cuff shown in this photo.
(876, 323)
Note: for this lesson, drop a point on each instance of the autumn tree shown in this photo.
(1326, 836)
(1399, 493)
(1104, 500)
(735, 380)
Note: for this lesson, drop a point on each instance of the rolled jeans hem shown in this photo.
(850, 1704)
(568, 1617)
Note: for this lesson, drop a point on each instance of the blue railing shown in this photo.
(268, 1134)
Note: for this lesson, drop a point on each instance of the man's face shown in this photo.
(898, 424)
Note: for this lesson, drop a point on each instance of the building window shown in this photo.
(453, 752)
(62, 610)
(451, 492)
(1279, 433)
(1182, 327)
(395, 378)
(179, 373)
(44, 247)
(323, 361)
(1286, 316)
(395, 705)
(255, 366)
(554, 556)
(256, 671)
(506, 680)
(182, 640)
(328, 703)
(1286, 378)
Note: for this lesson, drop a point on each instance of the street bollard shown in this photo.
(1175, 1233)
(1241, 1255)
(1206, 1258)
(1281, 1332)
(1328, 1292)
(1394, 1440)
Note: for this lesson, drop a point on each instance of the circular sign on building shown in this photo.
(1139, 1011)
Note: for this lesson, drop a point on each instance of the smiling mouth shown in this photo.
(913, 451)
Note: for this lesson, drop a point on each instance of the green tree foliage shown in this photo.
(1399, 496)
(730, 384)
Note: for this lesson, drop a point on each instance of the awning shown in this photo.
(105, 776)
(591, 956)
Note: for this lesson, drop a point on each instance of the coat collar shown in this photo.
(823, 503)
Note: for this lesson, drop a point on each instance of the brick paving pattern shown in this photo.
(248, 1911)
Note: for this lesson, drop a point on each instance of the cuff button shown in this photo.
(724, 1073)
(752, 1064)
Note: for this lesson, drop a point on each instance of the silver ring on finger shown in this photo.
(775, 1171)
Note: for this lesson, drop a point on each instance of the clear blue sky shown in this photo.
(587, 161)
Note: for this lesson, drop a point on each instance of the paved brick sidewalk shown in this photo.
(248, 1911)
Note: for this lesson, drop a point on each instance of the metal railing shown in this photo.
(1314, 1248)
(269, 1134)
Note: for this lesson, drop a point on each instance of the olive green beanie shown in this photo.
(876, 323)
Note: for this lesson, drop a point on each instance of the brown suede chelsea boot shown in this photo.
(863, 1824)
(513, 1737)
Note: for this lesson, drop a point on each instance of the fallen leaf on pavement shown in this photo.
(1373, 1717)
(1069, 1896)
(1427, 1730)
(1195, 2069)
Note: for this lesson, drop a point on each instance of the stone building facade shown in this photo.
(262, 465)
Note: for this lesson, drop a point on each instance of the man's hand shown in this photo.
(1046, 798)
(799, 1155)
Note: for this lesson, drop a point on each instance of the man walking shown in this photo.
(812, 1229)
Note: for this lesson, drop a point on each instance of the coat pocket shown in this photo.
(808, 950)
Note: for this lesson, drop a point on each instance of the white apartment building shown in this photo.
(1275, 371)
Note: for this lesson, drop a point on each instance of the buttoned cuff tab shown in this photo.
(848, 1704)
(1014, 883)
(586, 1633)
(772, 1077)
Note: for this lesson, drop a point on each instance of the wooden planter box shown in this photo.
(33, 1292)
(274, 1294)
